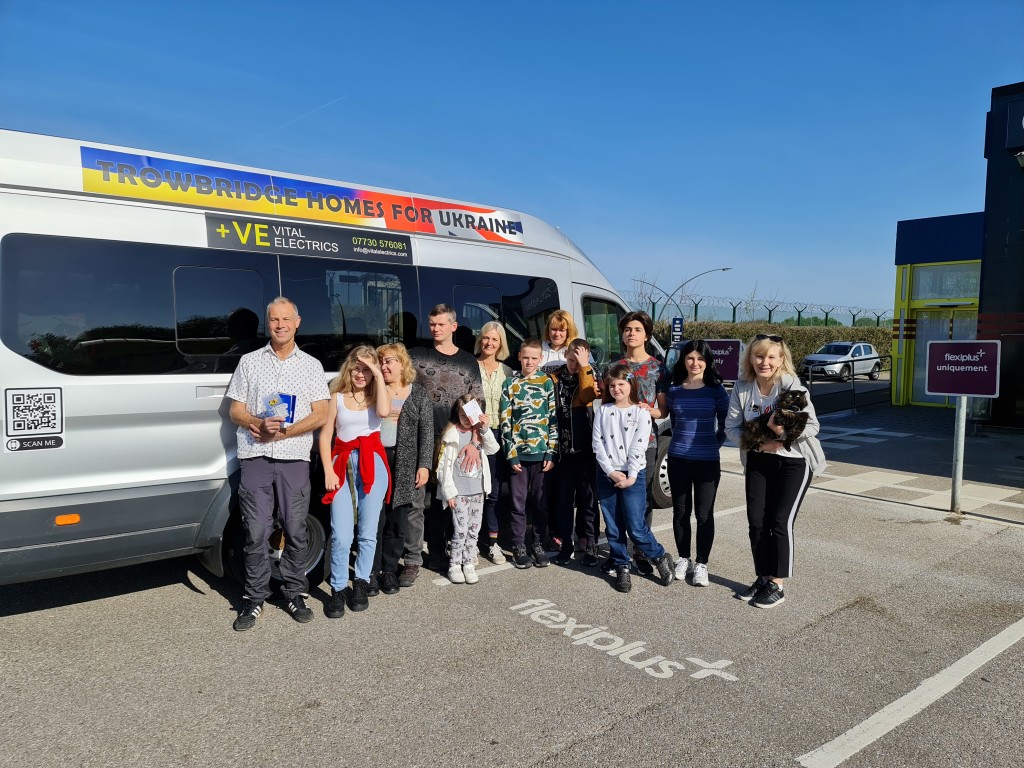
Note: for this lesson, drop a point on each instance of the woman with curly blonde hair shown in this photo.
(407, 434)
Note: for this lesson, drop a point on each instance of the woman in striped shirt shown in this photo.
(698, 404)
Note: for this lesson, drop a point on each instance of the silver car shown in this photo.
(841, 360)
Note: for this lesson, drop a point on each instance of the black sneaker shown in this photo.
(373, 586)
(748, 594)
(622, 580)
(520, 558)
(358, 599)
(564, 556)
(770, 595)
(298, 609)
(251, 610)
(666, 569)
(607, 567)
(335, 607)
(643, 564)
(540, 557)
(589, 559)
(389, 582)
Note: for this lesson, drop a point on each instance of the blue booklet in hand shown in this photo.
(281, 405)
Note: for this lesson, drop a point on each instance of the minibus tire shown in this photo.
(661, 491)
(234, 553)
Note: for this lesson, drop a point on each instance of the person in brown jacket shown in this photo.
(575, 390)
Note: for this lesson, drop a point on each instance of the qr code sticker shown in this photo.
(33, 412)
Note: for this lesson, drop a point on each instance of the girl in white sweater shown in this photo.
(622, 431)
(464, 490)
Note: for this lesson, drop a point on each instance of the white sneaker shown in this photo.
(469, 572)
(682, 568)
(700, 575)
(495, 555)
(456, 576)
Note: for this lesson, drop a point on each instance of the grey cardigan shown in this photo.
(808, 444)
(414, 445)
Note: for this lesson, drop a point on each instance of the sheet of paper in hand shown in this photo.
(472, 410)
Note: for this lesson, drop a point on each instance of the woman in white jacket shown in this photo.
(461, 489)
(776, 477)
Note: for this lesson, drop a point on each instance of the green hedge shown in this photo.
(802, 340)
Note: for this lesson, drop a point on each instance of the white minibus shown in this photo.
(132, 281)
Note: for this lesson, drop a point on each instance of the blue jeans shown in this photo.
(624, 510)
(342, 523)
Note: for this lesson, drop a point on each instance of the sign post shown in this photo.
(677, 330)
(962, 369)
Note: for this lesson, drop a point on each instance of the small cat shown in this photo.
(789, 415)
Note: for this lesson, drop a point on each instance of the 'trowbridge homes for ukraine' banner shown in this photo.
(174, 182)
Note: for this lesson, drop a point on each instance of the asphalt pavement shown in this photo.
(897, 645)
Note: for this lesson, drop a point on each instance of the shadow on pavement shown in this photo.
(34, 596)
(995, 457)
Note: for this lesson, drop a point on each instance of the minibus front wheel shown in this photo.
(313, 564)
(661, 489)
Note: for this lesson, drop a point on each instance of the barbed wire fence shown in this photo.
(752, 309)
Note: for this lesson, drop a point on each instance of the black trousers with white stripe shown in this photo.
(775, 486)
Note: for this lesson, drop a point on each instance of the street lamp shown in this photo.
(662, 292)
(690, 280)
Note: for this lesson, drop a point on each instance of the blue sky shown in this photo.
(782, 139)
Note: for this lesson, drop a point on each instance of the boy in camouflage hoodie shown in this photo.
(529, 434)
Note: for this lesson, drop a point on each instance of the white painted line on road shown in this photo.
(931, 690)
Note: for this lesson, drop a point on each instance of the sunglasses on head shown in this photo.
(763, 336)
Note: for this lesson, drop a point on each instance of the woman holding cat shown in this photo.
(776, 477)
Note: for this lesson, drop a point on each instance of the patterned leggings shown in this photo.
(466, 517)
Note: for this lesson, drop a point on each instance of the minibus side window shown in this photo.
(525, 301)
(218, 316)
(601, 324)
(346, 303)
(102, 307)
(474, 306)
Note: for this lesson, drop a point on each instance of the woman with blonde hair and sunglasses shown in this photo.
(776, 477)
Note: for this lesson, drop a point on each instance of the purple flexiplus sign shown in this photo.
(727, 357)
(963, 368)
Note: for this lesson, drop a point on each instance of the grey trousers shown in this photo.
(414, 529)
(263, 481)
